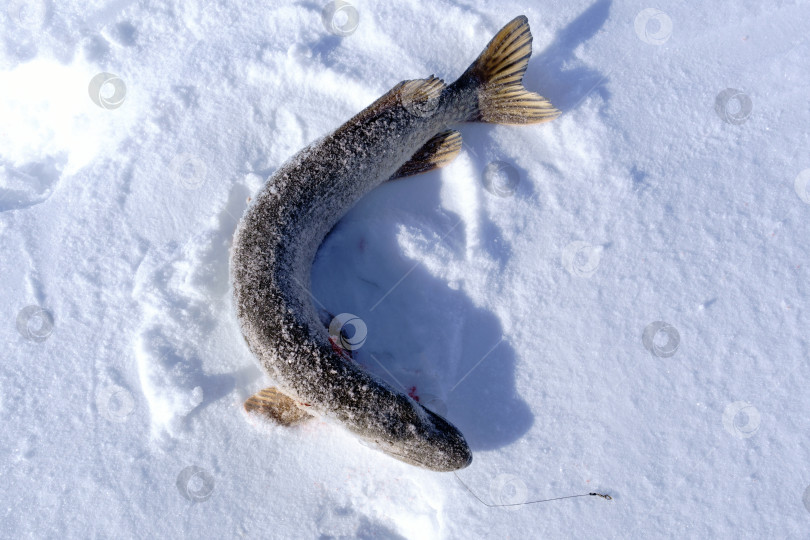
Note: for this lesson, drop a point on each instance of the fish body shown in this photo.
(404, 132)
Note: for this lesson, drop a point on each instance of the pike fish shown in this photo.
(404, 132)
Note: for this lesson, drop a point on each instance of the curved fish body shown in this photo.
(404, 132)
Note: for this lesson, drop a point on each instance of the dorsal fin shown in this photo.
(418, 96)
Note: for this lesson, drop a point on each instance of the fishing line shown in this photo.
(602, 495)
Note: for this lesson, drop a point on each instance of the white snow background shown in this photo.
(621, 309)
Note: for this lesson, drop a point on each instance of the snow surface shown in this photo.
(630, 318)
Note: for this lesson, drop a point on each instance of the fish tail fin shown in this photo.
(497, 78)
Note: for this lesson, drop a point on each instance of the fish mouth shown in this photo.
(434, 461)
(457, 452)
(463, 461)
(418, 437)
(439, 446)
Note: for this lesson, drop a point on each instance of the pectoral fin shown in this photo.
(437, 152)
(272, 404)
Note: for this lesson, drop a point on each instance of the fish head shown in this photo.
(418, 436)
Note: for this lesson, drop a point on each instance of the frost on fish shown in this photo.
(403, 132)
